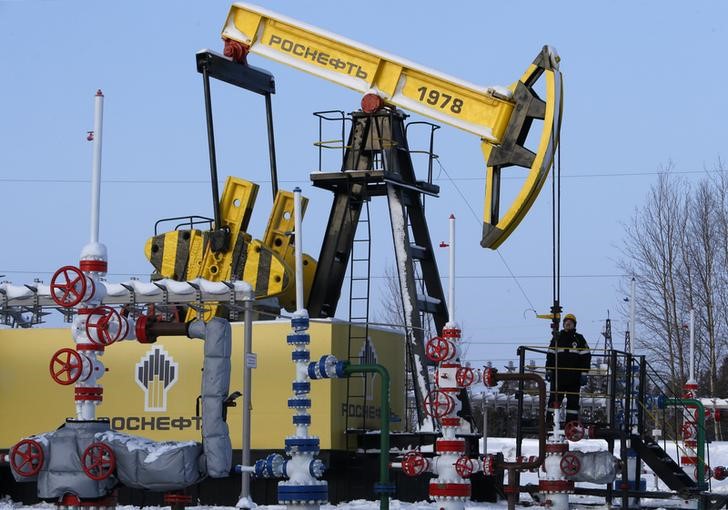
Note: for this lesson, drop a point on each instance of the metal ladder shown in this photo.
(358, 328)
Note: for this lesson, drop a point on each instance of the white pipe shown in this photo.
(692, 345)
(96, 174)
(451, 280)
(632, 338)
(298, 243)
(246, 469)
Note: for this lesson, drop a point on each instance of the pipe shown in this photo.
(522, 466)
(384, 482)
(245, 500)
(692, 345)
(451, 280)
(272, 146)
(298, 244)
(96, 174)
(631, 315)
(700, 463)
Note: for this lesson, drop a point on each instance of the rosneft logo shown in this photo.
(155, 374)
(368, 356)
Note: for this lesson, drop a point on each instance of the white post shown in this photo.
(451, 280)
(245, 500)
(632, 313)
(692, 345)
(96, 175)
(298, 244)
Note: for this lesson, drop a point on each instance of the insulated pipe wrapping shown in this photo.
(217, 335)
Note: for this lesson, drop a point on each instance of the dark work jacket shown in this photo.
(570, 350)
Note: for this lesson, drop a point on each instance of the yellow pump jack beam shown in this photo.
(501, 116)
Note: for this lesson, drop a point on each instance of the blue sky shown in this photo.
(644, 86)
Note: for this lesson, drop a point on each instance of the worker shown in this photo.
(567, 359)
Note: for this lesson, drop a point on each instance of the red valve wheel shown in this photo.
(439, 349)
(66, 366)
(438, 404)
(465, 376)
(70, 282)
(26, 457)
(99, 325)
(464, 467)
(570, 464)
(688, 430)
(414, 464)
(574, 431)
(98, 461)
(720, 473)
(489, 465)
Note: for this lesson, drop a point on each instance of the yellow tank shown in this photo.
(151, 390)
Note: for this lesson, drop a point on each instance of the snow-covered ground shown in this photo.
(717, 456)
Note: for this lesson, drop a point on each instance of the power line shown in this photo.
(54, 180)
(477, 219)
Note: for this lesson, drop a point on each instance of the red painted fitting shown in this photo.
(414, 464)
(177, 498)
(574, 431)
(141, 330)
(450, 422)
(555, 486)
(236, 51)
(94, 394)
(450, 489)
(489, 465)
(489, 377)
(570, 464)
(450, 445)
(370, 103)
(451, 333)
(90, 347)
(557, 447)
(99, 266)
(720, 472)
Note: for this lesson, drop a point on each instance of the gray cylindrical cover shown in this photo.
(596, 467)
(217, 334)
(61, 472)
(159, 466)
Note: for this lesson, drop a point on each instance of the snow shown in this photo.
(718, 456)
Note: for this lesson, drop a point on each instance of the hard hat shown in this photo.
(569, 316)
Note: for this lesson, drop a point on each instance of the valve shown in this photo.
(438, 404)
(465, 467)
(570, 464)
(489, 465)
(104, 326)
(489, 377)
(439, 349)
(26, 457)
(688, 430)
(414, 464)
(98, 461)
(465, 376)
(66, 366)
(71, 284)
(574, 431)
(720, 472)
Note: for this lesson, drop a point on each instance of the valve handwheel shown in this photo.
(465, 376)
(26, 457)
(574, 431)
(438, 349)
(570, 464)
(414, 464)
(438, 404)
(98, 461)
(464, 467)
(66, 366)
(70, 282)
(99, 322)
(688, 430)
